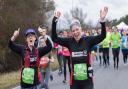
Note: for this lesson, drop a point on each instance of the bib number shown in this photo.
(80, 71)
(115, 42)
(105, 43)
(28, 75)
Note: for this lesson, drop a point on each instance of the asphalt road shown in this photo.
(104, 78)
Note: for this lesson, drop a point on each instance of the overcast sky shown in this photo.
(117, 8)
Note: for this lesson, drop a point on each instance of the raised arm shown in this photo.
(46, 49)
(13, 46)
(97, 39)
(55, 38)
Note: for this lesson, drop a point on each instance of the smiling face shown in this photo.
(65, 34)
(30, 39)
(43, 43)
(43, 31)
(76, 32)
(124, 33)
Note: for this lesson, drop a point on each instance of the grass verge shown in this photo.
(12, 79)
(9, 79)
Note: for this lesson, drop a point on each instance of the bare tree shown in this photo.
(76, 13)
(80, 15)
(19, 13)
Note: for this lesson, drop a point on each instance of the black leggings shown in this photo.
(60, 58)
(125, 54)
(106, 56)
(65, 59)
(82, 86)
(116, 56)
(100, 56)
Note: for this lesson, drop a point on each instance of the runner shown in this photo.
(60, 59)
(45, 61)
(101, 54)
(115, 41)
(124, 46)
(106, 45)
(66, 58)
(80, 48)
(60, 56)
(30, 58)
(95, 47)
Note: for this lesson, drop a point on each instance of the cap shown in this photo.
(30, 31)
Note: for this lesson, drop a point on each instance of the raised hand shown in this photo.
(57, 14)
(39, 29)
(15, 34)
(103, 13)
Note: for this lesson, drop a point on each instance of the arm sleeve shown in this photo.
(49, 56)
(50, 40)
(46, 49)
(55, 38)
(93, 40)
(15, 47)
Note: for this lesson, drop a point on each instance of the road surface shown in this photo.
(104, 78)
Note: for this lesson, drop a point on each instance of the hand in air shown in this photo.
(103, 13)
(16, 33)
(57, 14)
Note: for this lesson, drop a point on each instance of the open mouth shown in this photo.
(31, 41)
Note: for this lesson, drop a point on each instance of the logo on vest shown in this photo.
(32, 59)
(79, 54)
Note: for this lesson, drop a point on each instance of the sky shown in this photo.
(117, 8)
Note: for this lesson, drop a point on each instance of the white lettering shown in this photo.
(79, 54)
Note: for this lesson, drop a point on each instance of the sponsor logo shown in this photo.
(79, 54)
(32, 59)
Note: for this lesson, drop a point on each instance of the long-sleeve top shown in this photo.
(80, 51)
(21, 50)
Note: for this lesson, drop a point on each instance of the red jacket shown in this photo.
(65, 51)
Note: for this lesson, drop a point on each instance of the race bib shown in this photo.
(28, 75)
(105, 43)
(115, 42)
(80, 71)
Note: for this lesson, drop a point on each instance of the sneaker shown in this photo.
(51, 77)
(46, 87)
(64, 81)
(60, 72)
